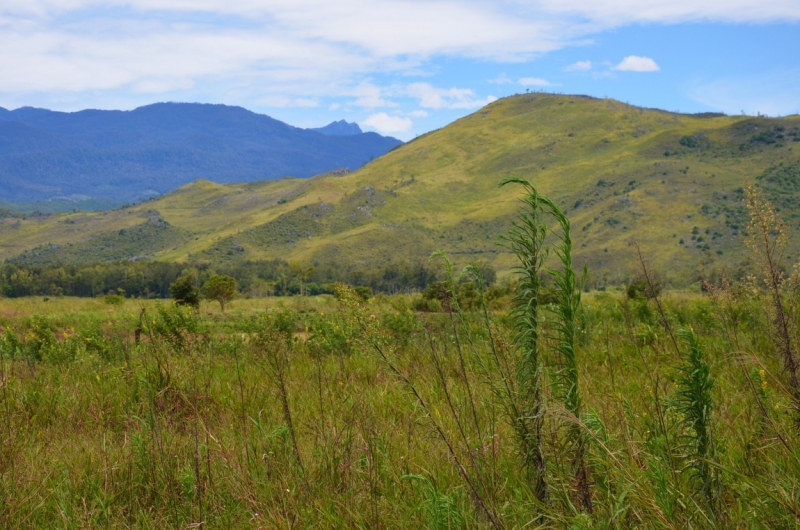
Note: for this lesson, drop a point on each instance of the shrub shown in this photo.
(425, 305)
(185, 292)
(363, 292)
(114, 299)
(640, 289)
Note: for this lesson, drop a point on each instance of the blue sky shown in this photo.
(399, 67)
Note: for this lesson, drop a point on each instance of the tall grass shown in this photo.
(337, 412)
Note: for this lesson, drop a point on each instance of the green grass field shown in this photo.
(324, 412)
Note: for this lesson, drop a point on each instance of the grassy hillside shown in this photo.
(671, 182)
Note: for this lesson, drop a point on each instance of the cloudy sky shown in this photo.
(399, 67)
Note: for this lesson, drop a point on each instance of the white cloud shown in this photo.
(283, 102)
(619, 12)
(431, 97)
(419, 114)
(316, 13)
(534, 81)
(370, 96)
(334, 106)
(306, 103)
(501, 79)
(386, 124)
(235, 51)
(580, 66)
(159, 86)
(635, 63)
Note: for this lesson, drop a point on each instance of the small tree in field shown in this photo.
(303, 273)
(185, 292)
(221, 288)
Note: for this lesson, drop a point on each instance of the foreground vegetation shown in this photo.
(290, 417)
(525, 407)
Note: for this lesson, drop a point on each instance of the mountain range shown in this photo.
(671, 182)
(339, 128)
(96, 155)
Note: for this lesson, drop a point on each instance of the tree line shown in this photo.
(152, 279)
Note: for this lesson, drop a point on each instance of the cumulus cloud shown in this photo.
(580, 66)
(371, 96)
(310, 49)
(619, 12)
(386, 124)
(431, 97)
(501, 79)
(635, 63)
(534, 81)
(419, 114)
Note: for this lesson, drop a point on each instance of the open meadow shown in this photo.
(526, 404)
(333, 412)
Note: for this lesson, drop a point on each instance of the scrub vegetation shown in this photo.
(529, 403)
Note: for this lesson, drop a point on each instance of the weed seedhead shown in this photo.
(767, 238)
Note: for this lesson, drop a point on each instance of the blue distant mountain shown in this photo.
(126, 155)
(339, 128)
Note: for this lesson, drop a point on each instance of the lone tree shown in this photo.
(303, 273)
(221, 288)
(185, 292)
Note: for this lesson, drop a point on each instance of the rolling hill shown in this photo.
(671, 182)
(84, 158)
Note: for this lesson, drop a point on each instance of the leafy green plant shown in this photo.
(694, 404)
(569, 287)
(526, 240)
(176, 325)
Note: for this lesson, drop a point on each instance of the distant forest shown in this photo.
(254, 278)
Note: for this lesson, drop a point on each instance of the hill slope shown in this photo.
(154, 149)
(671, 182)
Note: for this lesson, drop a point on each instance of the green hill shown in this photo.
(672, 182)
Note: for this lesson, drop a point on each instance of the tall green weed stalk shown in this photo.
(694, 403)
(568, 289)
(526, 241)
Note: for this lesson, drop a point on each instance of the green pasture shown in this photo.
(187, 428)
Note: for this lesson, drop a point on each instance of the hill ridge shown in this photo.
(671, 182)
(127, 155)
